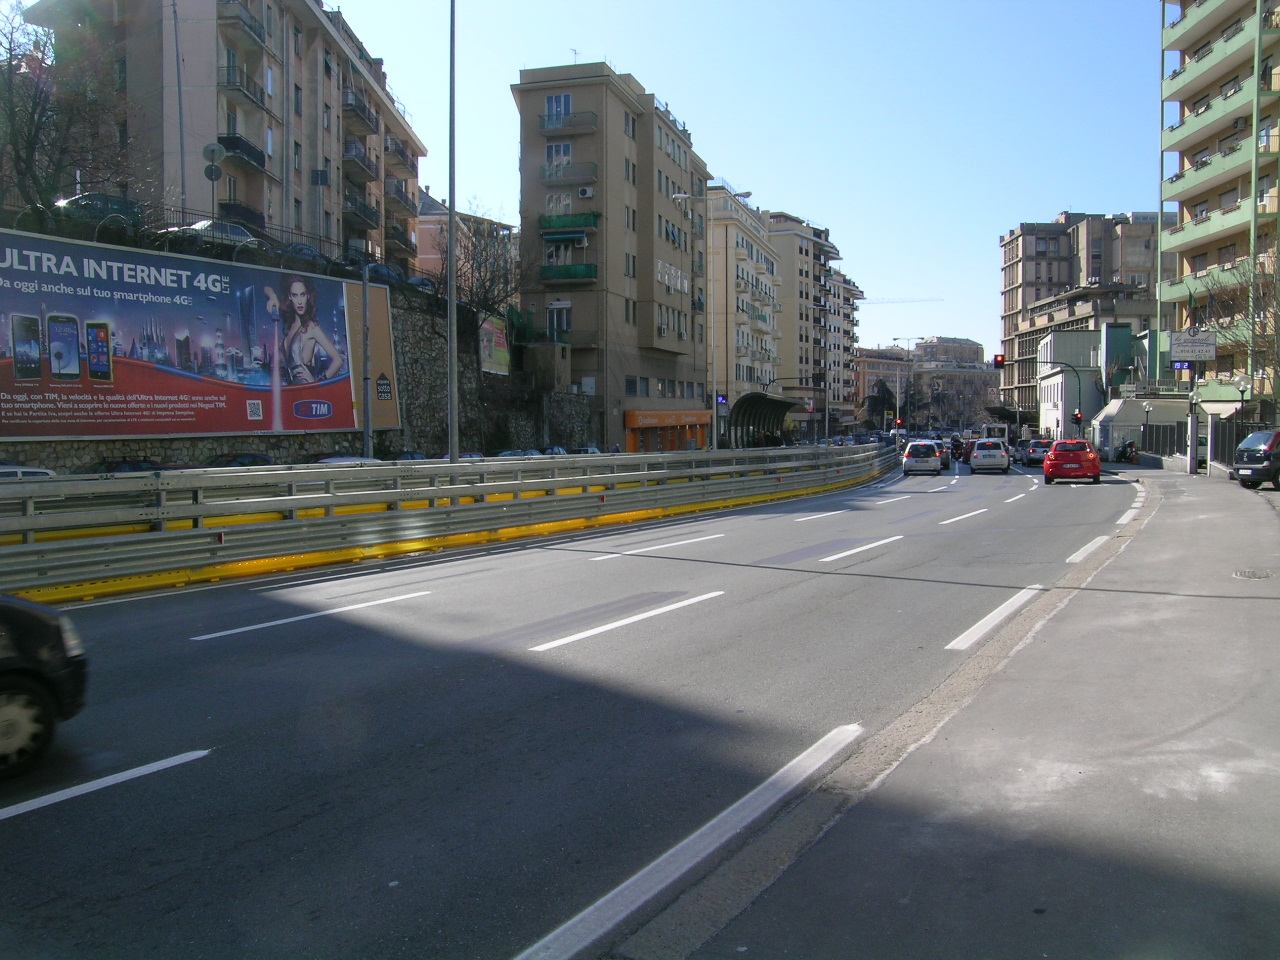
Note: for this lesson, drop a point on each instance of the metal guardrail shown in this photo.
(72, 530)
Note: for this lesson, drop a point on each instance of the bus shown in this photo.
(995, 431)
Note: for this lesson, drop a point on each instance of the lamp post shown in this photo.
(1193, 433)
(910, 376)
(1146, 417)
(711, 320)
(1242, 383)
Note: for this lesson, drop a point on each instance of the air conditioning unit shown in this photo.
(580, 242)
(586, 193)
(1237, 124)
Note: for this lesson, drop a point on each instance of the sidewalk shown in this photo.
(1112, 792)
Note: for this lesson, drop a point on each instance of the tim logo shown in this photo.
(313, 409)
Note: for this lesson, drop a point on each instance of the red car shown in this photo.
(1072, 460)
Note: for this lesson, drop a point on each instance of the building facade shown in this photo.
(309, 143)
(1221, 149)
(604, 173)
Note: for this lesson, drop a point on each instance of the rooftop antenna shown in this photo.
(575, 54)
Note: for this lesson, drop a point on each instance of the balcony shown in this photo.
(397, 191)
(559, 124)
(698, 305)
(357, 164)
(239, 87)
(1213, 280)
(236, 15)
(357, 114)
(1206, 174)
(568, 273)
(1230, 111)
(396, 235)
(241, 148)
(569, 173)
(396, 154)
(1195, 27)
(1212, 226)
(242, 213)
(1215, 59)
(359, 214)
(568, 221)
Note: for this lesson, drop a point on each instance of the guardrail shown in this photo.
(101, 534)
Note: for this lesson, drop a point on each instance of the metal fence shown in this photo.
(71, 531)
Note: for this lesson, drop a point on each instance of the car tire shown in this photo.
(1048, 480)
(28, 717)
(1275, 482)
(1097, 479)
(1005, 470)
(1251, 484)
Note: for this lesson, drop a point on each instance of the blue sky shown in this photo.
(918, 131)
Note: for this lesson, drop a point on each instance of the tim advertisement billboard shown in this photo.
(103, 341)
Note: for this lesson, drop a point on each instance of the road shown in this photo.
(450, 756)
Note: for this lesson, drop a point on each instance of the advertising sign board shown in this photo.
(100, 341)
(1194, 344)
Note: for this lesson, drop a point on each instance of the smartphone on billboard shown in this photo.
(97, 335)
(64, 346)
(25, 334)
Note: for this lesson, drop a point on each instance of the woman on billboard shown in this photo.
(305, 343)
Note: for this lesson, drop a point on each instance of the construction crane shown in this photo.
(863, 303)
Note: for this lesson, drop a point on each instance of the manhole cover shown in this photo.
(1252, 574)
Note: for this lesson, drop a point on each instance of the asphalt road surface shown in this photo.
(450, 756)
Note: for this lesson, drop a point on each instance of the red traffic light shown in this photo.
(898, 422)
(998, 360)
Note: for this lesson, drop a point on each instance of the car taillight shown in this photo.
(1093, 456)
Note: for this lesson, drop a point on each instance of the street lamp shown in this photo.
(910, 376)
(1242, 384)
(1146, 417)
(711, 319)
(1193, 433)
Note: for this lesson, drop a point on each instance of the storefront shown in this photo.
(648, 431)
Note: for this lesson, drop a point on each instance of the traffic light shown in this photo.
(1076, 418)
(998, 360)
(898, 422)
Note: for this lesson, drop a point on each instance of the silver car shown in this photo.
(921, 456)
(989, 455)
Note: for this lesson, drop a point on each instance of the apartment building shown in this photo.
(808, 321)
(488, 261)
(612, 203)
(1221, 145)
(1076, 272)
(281, 97)
(846, 393)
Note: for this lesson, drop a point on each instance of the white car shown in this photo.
(921, 456)
(989, 455)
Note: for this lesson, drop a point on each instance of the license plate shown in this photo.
(1071, 466)
(1245, 473)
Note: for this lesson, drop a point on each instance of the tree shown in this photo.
(63, 122)
(1241, 305)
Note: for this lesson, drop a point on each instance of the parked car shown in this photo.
(989, 455)
(241, 460)
(43, 672)
(16, 472)
(305, 257)
(94, 208)
(422, 284)
(352, 266)
(556, 452)
(124, 465)
(1034, 453)
(921, 456)
(585, 451)
(1072, 460)
(216, 238)
(410, 455)
(339, 458)
(1257, 460)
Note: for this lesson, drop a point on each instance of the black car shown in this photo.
(43, 671)
(1257, 460)
(305, 257)
(242, 460)
(124, 465)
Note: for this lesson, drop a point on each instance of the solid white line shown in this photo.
(622, 623)
(1087, 549)
(962, 517)
(894, 500)
(1128, 515)
(660, 546)
(92, 785)
(819, 516)
(955, 481)
(593, 924)
(1018, 497)
(849, 553)
(310, 616)
(984, 626)
(937, 489)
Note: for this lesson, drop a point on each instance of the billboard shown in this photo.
(100, 341)
(1194, 343)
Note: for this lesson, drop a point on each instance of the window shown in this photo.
(120, 72)
(628, 125)
(1227, 255)
(270, 19)
(122, 134)
(644, 386)
(297, 41)
(1229, 198)
(233, 120)
(558, 204)
(328, 116)
(632, 386)
(558, 320)
(559, 154)
(1199, 262)
(271, 81)
(297, 155)
(297, 99)
(297, 213)
(271, 142)
(559, 253)
(328, 62)
(559, 106)
(328, 224)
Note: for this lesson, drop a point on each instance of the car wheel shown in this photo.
(1275, 482)
(1251, 484)
(1098, 478)
(27, 721)
(1005, 470)
(1048, 480)
(905, 473)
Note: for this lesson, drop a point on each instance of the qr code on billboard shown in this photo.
(255, 409)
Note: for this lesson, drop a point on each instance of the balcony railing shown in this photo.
(242, 212)
(395, 233)
(238, 146)
(569, 221)
(568, 272)
(399, 153)
(395, 189)
(569, 122)
(356, 108)
(233, 11)
(237, 79)
(357, 162)
(359, 213)
(569, 172)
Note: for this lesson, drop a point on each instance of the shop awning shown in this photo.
(1130, 412)
(564, 235)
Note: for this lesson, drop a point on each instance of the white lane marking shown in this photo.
(1018, 497)
(937, 489)
(1127, 516)
(965, 516)
(1087, 549)
(819, 516)
(625, 622)
(660, 546)
(592, 925)
(984, 626)
(956, 480)
(311, 616)
(894, 500)
(849, 553)
(92, 785)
